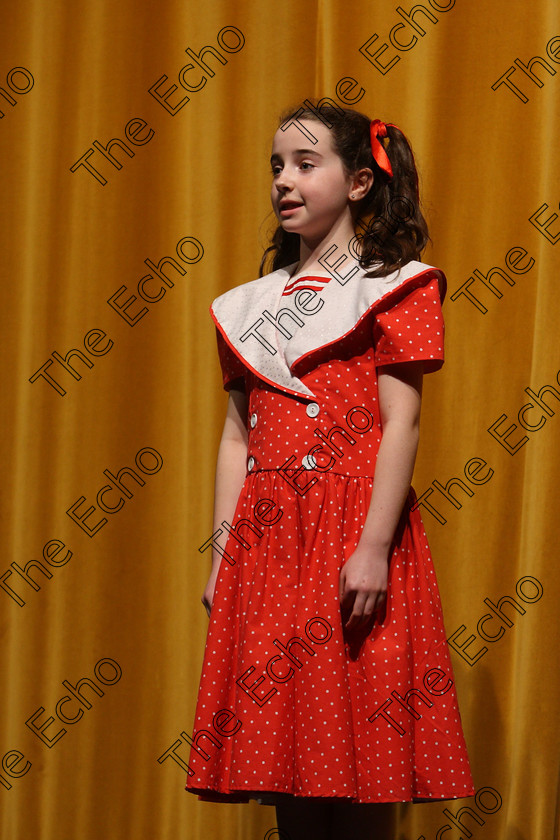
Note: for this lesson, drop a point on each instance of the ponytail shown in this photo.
(390, 225)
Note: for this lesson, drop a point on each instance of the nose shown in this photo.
(283, 182)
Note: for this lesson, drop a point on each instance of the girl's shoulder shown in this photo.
(409, 277)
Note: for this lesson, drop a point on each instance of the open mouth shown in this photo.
(288, 207)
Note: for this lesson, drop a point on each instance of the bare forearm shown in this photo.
(231, 469)
(393, 474)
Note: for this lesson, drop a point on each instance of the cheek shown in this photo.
(331, 192)
(328, 199)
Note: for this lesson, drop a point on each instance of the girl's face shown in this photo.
(310, 188)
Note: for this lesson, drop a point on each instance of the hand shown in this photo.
(363, 585)
(208, 595)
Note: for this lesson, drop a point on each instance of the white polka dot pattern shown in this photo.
(312, 736)
(411, 330)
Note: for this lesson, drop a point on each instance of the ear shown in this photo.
(360, 184)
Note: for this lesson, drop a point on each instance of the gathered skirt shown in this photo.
(291, 703)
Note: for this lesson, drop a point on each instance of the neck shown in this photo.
(310, 252)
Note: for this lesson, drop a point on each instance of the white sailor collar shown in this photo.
(271, 333)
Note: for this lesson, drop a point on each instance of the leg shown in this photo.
(368, 821)
(301, 818)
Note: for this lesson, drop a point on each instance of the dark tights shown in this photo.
(327, 819)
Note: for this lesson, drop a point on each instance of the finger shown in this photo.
(357, 611)
(347, 601)
(346, 605)
(345, 611)
(348, 609)
(341, 585)
(380, 599)
(374, 604)
(346, 594)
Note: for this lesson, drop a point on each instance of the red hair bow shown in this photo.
(378, 129)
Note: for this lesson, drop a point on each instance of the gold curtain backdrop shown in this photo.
(115, 154)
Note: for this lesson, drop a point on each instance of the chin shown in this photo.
(285, 225)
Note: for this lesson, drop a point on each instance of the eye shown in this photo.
(276, 170)
(306, 165)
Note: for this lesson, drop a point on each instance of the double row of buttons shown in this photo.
(308, 461)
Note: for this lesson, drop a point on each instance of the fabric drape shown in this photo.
(134, 147)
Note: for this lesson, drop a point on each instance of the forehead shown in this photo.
(303, 134)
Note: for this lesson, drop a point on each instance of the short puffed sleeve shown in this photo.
(412, 329)
(233, 369)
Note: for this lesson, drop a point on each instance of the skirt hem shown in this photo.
(274, 797)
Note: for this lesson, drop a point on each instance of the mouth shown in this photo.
(287, 207)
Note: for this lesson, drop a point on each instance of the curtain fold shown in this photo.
(124, 174)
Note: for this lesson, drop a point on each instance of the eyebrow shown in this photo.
(299, 152)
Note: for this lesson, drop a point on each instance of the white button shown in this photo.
(250, 463)
(312, 409)
(309, 462)
(253, 420)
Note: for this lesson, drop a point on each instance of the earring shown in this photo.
(352, 195)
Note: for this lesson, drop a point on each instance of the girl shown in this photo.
(327, 683)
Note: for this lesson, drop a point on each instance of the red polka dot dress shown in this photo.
(289, 703)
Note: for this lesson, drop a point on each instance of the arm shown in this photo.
(363, 578)
(231, 469)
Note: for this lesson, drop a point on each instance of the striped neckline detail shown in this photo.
(308, 281)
